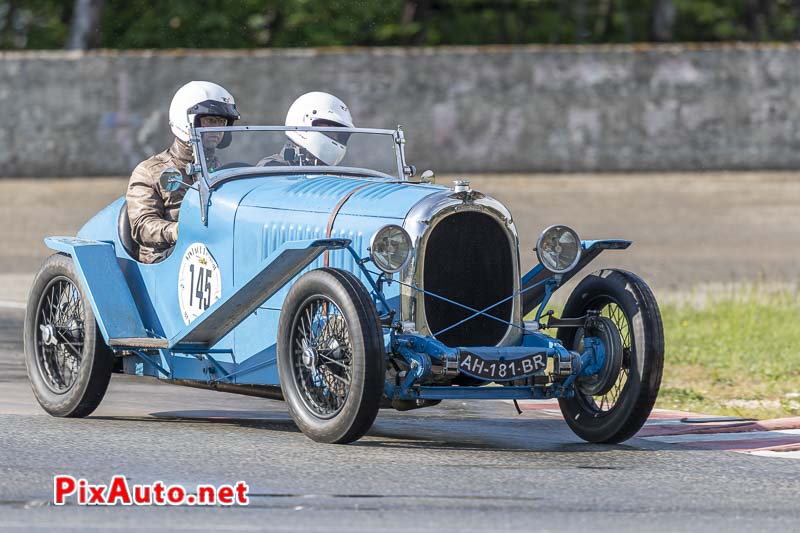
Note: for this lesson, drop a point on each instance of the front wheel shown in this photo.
(331, 356)
(69, 364)
(616, 412)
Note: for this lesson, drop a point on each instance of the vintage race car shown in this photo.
(341, 290)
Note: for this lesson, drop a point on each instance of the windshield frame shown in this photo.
(398, 140)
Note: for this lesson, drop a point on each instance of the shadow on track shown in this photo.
(402, 432)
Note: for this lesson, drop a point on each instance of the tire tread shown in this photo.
(653, 358)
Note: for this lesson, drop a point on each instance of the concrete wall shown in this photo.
(464, 109)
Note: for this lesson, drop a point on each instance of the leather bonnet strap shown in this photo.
(336, 210)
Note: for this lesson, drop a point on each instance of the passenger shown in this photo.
(153, 211)
(313, 148)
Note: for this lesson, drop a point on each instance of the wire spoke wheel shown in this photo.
(322, 356)
(331, 356)
(616, 410)
(68, 362)
(59, 333)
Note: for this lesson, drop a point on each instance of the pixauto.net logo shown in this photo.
(119, 492)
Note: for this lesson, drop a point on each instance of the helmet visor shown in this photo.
(217, 108)
(339, 137)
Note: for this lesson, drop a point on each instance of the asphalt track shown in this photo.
(461, 466)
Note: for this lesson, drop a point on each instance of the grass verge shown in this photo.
(733, 353)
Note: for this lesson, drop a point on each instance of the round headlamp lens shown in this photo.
(559, 249)
(390, 248)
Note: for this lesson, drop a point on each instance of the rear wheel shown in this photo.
(616, 411)
(69, 364)
(331, 356)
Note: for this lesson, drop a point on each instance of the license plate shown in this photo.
(501, 369)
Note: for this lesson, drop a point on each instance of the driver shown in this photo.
(153, 212)
(312, 148)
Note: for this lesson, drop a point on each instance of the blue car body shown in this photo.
(265, 227)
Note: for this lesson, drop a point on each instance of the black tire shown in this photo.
(60, 324)
(628, 301)
(333, 397)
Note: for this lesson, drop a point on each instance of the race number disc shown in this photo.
(199, 282)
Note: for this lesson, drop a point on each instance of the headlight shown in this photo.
(390, 248)
(558, 249)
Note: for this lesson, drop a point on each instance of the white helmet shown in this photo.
(309, 110)
(196, 99)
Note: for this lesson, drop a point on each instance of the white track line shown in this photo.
(717, 437)
(12, 305)
(773, 453)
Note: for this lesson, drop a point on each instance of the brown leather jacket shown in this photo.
(153, 211)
